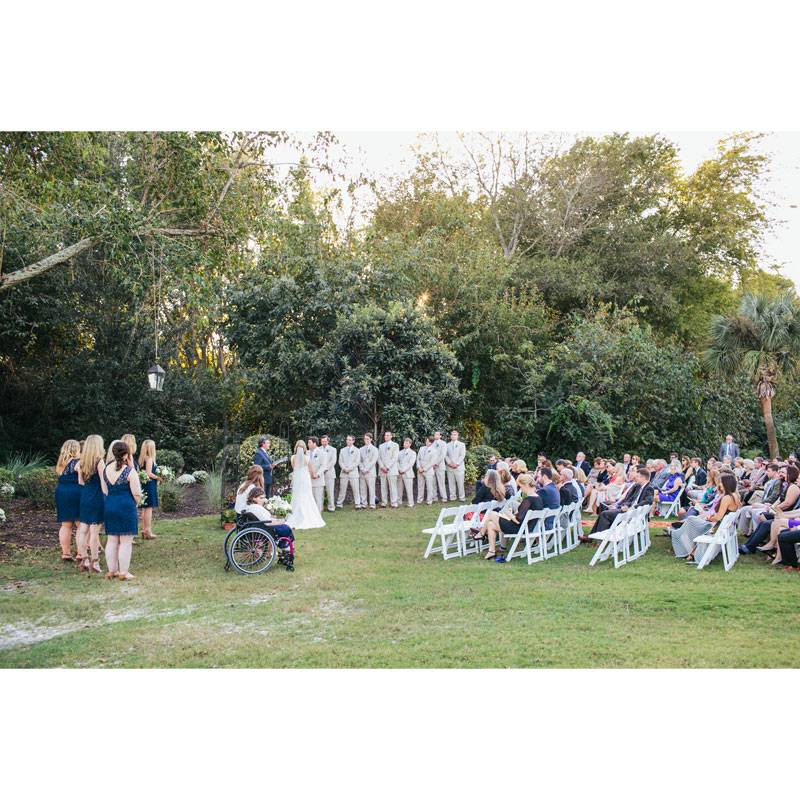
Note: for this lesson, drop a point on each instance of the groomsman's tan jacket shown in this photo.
(330, 472)
(316, 464)
(405, 475)
(349, 459)
(456, 453)
(366, 469)
(439, 452)
(387, 460)
(425, 476)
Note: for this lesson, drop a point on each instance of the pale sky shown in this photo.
(384, 153)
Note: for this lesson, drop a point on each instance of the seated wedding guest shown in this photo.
(68, 495)
(783, 521)
(660, 473)
(147, 462)
(683, 537)
(603, 474)
(636, 461)
(685, 464)
(122, 490)
(492, 462)
(786, 544)
(640, 493)
(495, 525)
(254, 477)
(92, 504)
(582, 464)
(130, 440)
(594, 473)
(738, 467)
(567, 487)
(788, 501)
(490, 488)
(672, 485)
(626, 461)
(757, 478)
(508, 480)
(606, 493)
(518, 467)
(256, 499)
(547, 490)
(700, 474)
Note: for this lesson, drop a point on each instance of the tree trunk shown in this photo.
(769, 423)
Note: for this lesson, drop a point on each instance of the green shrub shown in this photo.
(172, 459)
(279, 448)
(170, 496)
(212, 489)
(39, 486)
(476, 460)
(7, 476)
(18, 464)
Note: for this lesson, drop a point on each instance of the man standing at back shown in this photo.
(387, 463)
(329, 452)
(349, 458)
(439, 449)
(261, 458)
(455, 454)
(426, 480)
(729, 448)
(405, 471)
(368, 457)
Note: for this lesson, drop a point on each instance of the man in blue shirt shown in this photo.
(262, 459)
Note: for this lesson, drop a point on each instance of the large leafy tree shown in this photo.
(762, 339)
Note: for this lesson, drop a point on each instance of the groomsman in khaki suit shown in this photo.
(316, 465)
(387, 464)
(456, 452)
(329, 451)
(425, 472)
(349, 459)
(368, 456)
(439, 449)
(405, 472)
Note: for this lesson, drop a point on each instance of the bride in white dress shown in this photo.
(305, 514)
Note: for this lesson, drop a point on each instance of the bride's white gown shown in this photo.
(305, 513)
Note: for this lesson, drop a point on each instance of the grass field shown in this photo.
(362, 596)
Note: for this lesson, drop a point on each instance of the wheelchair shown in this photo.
(251, 548)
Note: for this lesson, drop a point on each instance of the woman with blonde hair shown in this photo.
(305, 513)
(92, 503)
(147, 462)
(508, 480)
(606, 492)
(254, 477)
(497, 524)
(110, 451)
(68, 495)
(130, 440)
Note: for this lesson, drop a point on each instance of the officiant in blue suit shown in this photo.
(262, 459)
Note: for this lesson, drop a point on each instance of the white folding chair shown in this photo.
(669, 508)
(612, 542)
(565, 526)
(468, 544)
(719, 541)
(575, 526)
(550, 532)
(447, 532)
(532, 530)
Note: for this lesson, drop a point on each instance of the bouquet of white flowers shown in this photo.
(278, 507)
(6, 491)
(200, 475)
(142, 500)
(143, 477)
(165, 472)
(185, 480)
(2, 516)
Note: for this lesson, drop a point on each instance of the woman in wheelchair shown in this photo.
(255, 477)
(256, 498)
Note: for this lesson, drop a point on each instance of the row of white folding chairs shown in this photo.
(546, 533)
(450, 535)
(625, 540)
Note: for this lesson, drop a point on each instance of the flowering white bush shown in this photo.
(200, 475)
(2, 516)
(278, 507)
(166, 473)
(6, 491)
(185, 480)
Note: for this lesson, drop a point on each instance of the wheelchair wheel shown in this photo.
(252, 551)
(226, 547)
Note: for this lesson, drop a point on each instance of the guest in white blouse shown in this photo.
(255, 477)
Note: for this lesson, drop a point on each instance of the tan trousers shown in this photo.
(367, 485)
(406, 483)
(389, 489)
(350, 480)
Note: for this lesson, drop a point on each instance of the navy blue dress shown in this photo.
(151, 490)
(68, 494)
(120, 515)
(92, 500)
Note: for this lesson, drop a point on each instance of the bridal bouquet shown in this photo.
(143, 477)
(142, 500)
(278, 507)
(165, 472)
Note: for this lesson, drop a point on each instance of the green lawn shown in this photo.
(362, 596)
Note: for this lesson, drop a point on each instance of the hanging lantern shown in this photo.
(155, 377)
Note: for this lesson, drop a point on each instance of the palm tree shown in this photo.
(763, 338)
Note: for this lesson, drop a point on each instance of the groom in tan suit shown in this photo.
(316, 465)
(387, 463)
(349, 459)
(329, 452)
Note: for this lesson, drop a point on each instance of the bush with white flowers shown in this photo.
(278, 507)
(165, 472)
(185, 480)
(6, 491)
(200, 475)
(2, 516)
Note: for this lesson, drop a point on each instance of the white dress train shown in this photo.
(305, 514)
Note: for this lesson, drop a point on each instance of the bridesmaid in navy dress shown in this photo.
(68, 495)
(147, 462)
(123, 490)
(92, 503)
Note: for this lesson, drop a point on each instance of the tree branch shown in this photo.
(32, 270)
